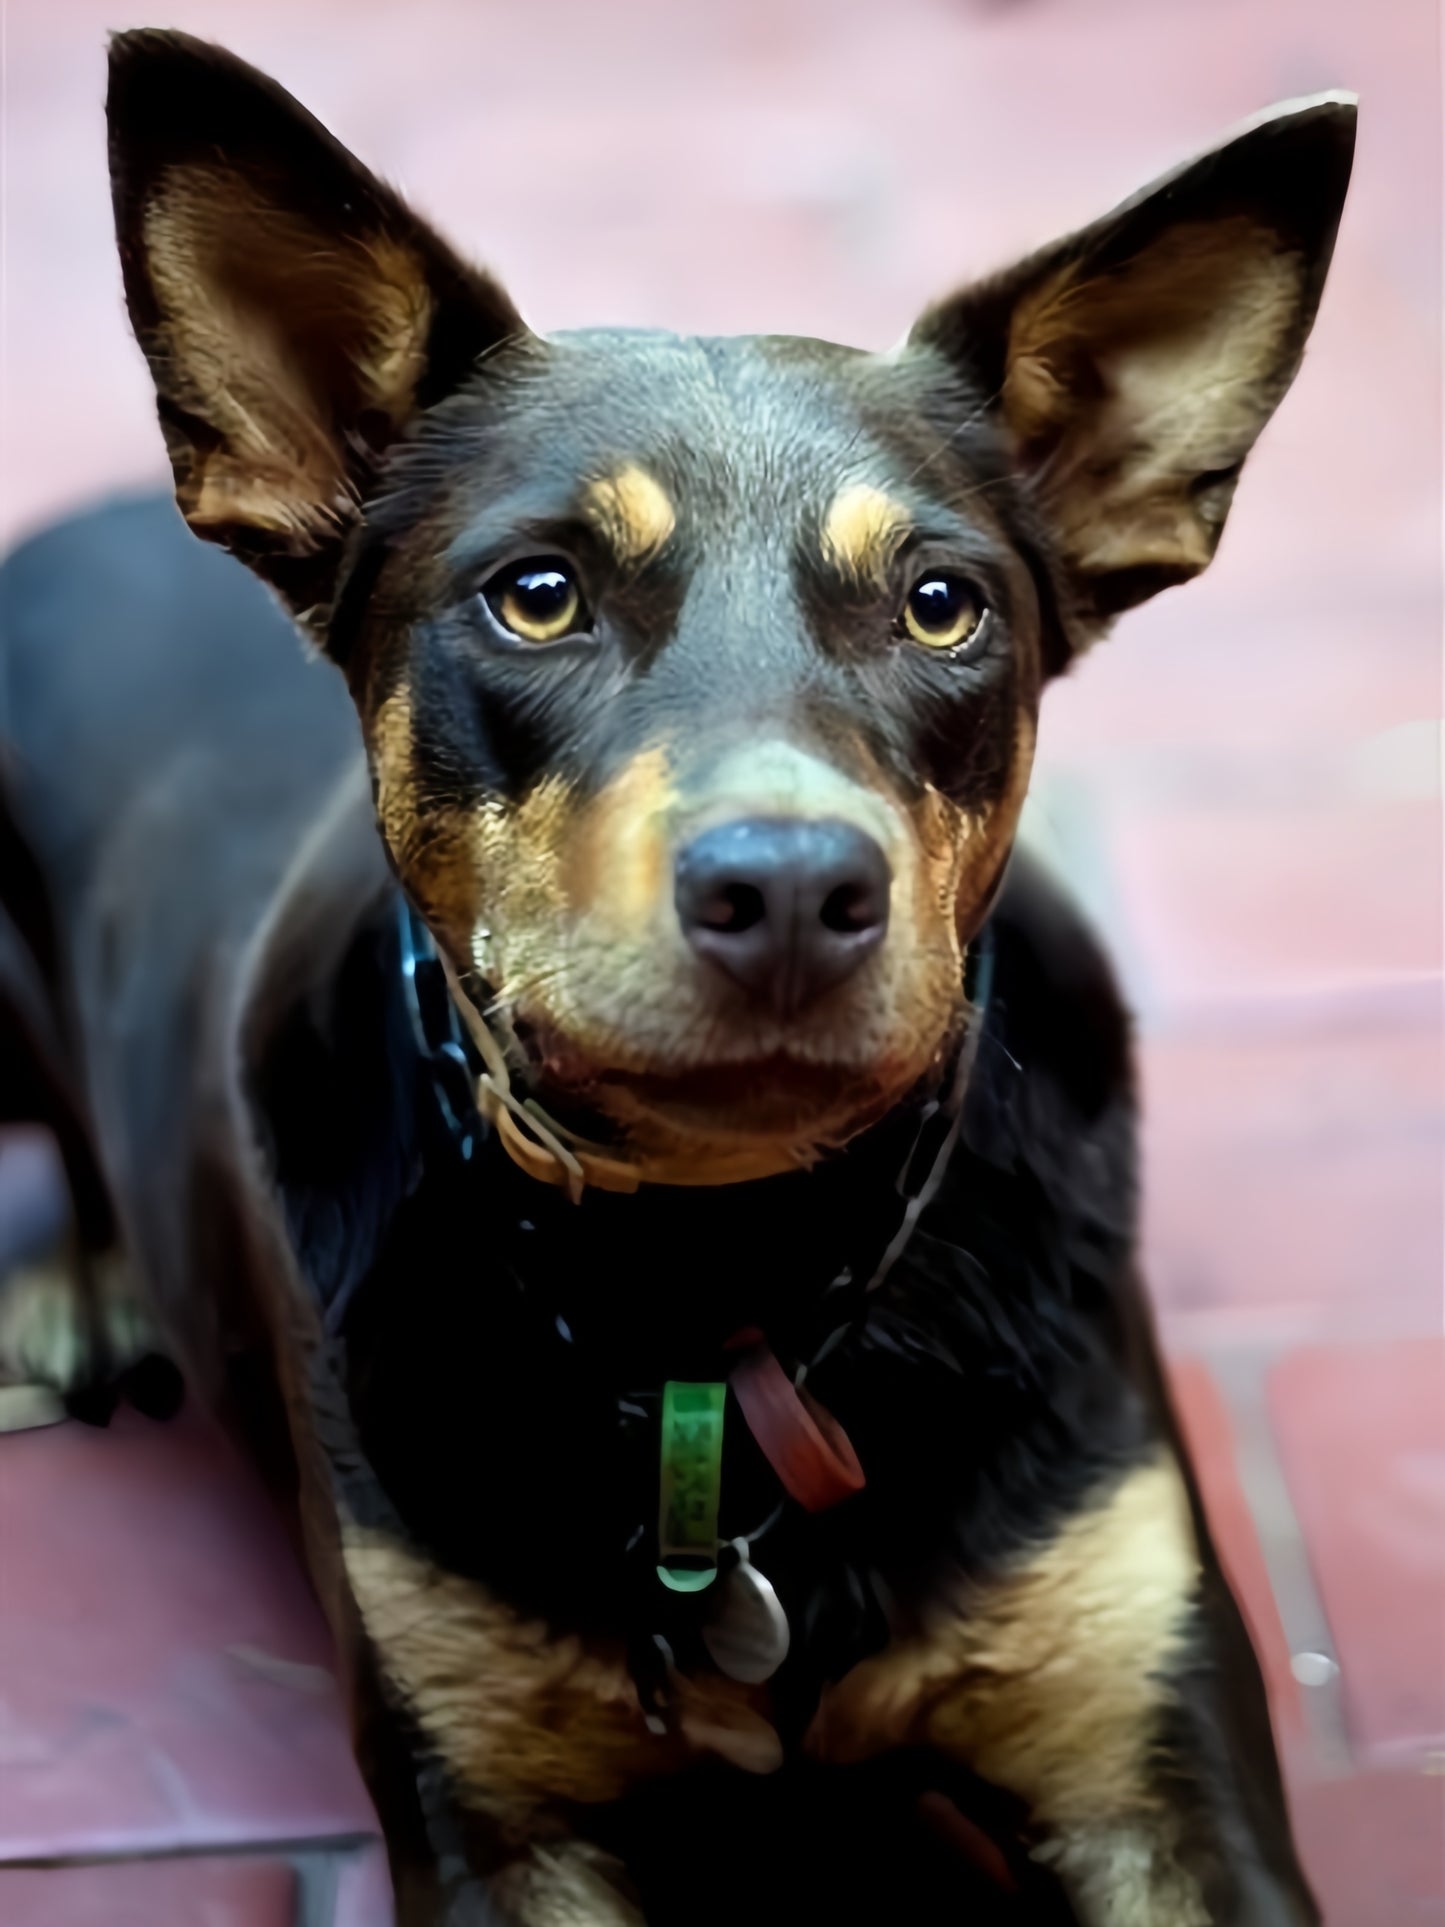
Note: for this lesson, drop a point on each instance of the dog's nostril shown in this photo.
(850, 908)
(733, 910)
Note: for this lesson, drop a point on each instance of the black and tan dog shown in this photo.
(697, 684)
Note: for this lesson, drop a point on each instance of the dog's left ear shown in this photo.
(1134, 363)
(295, 313)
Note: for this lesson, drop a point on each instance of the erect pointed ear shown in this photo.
(295, 314)
(1135, 362)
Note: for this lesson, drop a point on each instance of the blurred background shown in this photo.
(1243, 785)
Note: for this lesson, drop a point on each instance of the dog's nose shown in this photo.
(788, 908)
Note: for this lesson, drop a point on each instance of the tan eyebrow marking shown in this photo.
(863, 530)
(632, 512)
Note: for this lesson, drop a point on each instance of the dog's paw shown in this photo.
(73, 1342)
(570, 1884)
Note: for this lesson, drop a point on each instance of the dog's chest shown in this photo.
(514, 1428)
(521, 1443)
(507, 1356)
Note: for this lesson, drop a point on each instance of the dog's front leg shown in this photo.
(567, 1884)
(528, 1728)
(1099, 1679)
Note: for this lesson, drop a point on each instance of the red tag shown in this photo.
(804, 1444)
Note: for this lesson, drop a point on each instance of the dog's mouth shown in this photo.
(772, 1096)
(776, 1097)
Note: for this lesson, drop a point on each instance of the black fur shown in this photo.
(202, 981)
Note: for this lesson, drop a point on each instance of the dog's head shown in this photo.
(699, 677)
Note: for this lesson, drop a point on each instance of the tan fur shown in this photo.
(566, 1883)
(518, 851)
(584, 937)
(432, 844)
(621, 851)
(274, 332)
(61, 1324)
(1126, 1876)
(987, 837)
(862, 531)
(1048, 1679)
(632, 512)
(1133, 385)
(391, 755)
(564, 905)
(522, 1718)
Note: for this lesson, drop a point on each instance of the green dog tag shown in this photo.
(692, 1439)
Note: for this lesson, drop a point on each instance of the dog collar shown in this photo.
(536, 1143)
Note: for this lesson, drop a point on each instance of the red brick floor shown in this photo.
(168, 1681)
(144, 1893)
(1361, 1431)
(1244, 786)
(166, 1691)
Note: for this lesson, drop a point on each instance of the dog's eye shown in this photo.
(943, 611)
(537, 601)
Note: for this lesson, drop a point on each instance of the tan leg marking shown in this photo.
(1126, 1876)
(50, 1343)
(1048, 1681)
(571, 1884)
(522, 1718)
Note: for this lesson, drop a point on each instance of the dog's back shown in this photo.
(166, 750)
(152, 692)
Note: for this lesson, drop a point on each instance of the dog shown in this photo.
(577, 1066)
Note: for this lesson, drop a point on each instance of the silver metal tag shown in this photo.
(746, 1630)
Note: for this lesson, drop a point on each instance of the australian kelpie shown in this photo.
(674, 1159)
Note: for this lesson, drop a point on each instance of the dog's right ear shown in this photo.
(295, 314)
